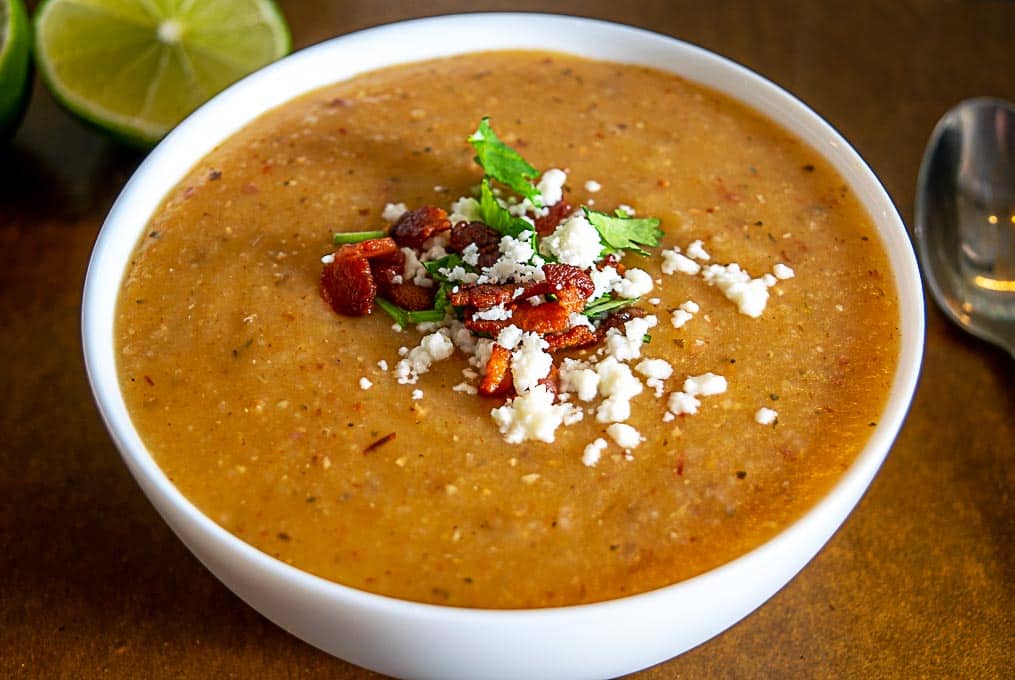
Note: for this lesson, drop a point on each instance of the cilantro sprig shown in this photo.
(503, 163)
(404, 318)
(600, 306)
(625, 233)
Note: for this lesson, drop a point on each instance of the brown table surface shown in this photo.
(917, 583)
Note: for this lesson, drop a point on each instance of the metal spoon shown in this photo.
(965, 218)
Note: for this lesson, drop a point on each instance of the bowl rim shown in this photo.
(98, 310)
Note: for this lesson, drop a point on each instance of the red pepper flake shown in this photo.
(149, 381)
(380, 442)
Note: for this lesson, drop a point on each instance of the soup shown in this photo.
(290, 426)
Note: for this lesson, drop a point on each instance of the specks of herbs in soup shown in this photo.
(637, 331)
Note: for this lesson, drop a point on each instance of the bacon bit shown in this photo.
(571, 285)
(484, 295)
(410, 296)
(578, 336)
(486, 239)
(385, 269)
(558, 211)
(346, 285)
(549, 317)
(551, 381)
(497, 378)
(375, 247)
(380, 442)
(611, 260)
(414, 227)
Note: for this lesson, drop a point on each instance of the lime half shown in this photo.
(15, 64)
(136, 68)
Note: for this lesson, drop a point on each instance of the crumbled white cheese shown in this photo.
(495, 313)
(655, 368)
(592, 186)
(636, 282)
(626, 436)
(681, 403)
(705, 385)
(460, 274)
(782, 271)
(618, 385)
(518, 262)
(465, 209)
(604, 279)
(479, 359)
(593, 452)
(466, 388)
(382, 364)
(414, 270)
(765, 416)
(365, 384)
(529, 363)
(551, 186)
(750, 295)
(575, 241)
(462, 337)
(434, 347)
(393, 211)
(417, 395)
(697, 252)
(684, 313)
(674, 261)
(578, 378)
(627, 345)
(470, 255)
(328, 259)
(509, 336)
(626, 209)
(531, 415)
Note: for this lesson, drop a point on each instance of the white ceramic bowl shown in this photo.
(418, 640)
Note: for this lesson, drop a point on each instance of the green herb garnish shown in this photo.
(625, 233)
(503, 163)
(356, 236)
(447, 263)
(404, 318)
(605, 304)
(496, 216)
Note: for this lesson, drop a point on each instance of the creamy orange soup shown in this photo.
(247, 388)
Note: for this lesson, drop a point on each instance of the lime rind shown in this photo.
(136, 68)
(15, 65)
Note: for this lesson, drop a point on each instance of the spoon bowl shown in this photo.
(965, 218)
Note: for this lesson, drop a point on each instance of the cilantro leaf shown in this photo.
(625, 233)
(497, 216)
(503, 163)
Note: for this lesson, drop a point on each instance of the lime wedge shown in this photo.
(136, 68)
(15, 64)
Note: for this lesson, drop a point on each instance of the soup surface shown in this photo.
(248, 389)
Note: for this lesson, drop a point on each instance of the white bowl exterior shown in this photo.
(417, 640)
